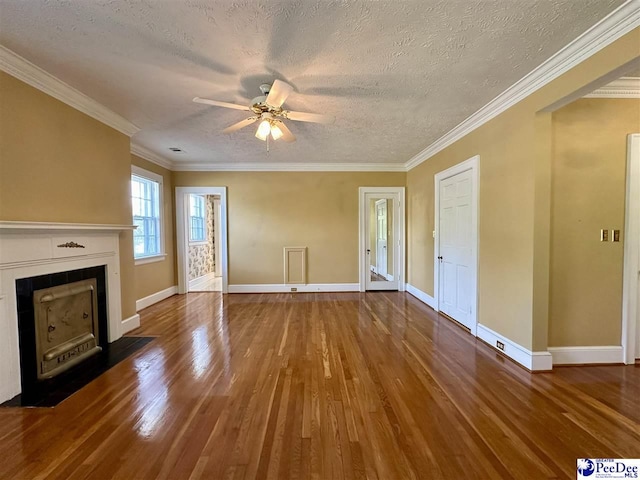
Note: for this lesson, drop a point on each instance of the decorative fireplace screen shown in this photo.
(66, 324)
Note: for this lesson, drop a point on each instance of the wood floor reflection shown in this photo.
(322, 386)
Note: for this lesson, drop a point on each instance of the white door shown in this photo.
(381, 237)
(456, 247)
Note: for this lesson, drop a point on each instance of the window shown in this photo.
(197, 229)
(146, 188)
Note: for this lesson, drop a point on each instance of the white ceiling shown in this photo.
(397, 74)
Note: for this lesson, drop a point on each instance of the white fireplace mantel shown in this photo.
(29, 249)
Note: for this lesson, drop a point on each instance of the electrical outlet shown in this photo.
(604, 235)
(615, 235)
(500, 345)
(294, 289)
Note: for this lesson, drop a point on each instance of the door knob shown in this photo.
(440, 258)
(368, 251)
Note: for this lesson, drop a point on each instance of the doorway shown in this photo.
(382, 255)
(203, 251)
(456, 242)
(197, 241)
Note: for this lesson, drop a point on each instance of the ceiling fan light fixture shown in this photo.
(276, 133)
(263, 130)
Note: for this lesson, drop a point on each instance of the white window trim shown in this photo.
(204, 218)
(151, 259)
(159, 179)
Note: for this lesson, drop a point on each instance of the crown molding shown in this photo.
(625, 87)
(152, 157)
(288, 167)
(24, 70)
(619, 22)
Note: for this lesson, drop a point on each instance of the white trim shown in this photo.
(146, 154)
(586, 355)
(399, 220)
(150, 259)
(534, 361)
(29, 252)
(155, 297)
(130, 323)
(630, 313)
(472, 164)
(619, 22)
(389, 277)
(148, 174)
(287, 167)
(216, 236)
(196, 283)
(625, 87)
(281, 288)
(422, 296)
(24, 70)
(182, 233)
(159, 179)
(52, 226)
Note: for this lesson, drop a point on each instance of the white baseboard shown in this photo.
(130, 323)
(586, 355)
(420, 295)
(281, 288)
(534, 361)
(155, 297)
(197, 282)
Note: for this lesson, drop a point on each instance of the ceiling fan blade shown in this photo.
(287, 136)
(278, 93)
(239, 125)
(310, 117)
(216, 103)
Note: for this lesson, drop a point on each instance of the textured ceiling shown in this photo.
(396, 74)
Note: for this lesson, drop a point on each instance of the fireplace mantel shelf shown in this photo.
(53, 226)
(34, 249)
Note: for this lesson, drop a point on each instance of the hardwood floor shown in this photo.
(321, 386)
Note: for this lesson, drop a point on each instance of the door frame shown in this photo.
(631, 239)
(472, 164)
(182, 231)
(399, 214)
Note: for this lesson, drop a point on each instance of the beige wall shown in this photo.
(60, 165)
(588, 193)
(154, 277)
(514, 203)
(272, 210)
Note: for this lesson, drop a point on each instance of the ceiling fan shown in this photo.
(268, 109)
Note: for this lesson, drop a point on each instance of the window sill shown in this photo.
(150, 259)
(195, 244)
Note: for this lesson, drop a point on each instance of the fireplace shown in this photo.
(66, 320)
(62, 321)
(34, 259)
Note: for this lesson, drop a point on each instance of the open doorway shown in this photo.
(382, 238)
(594, 229)
(203, 252)
(201, 238)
